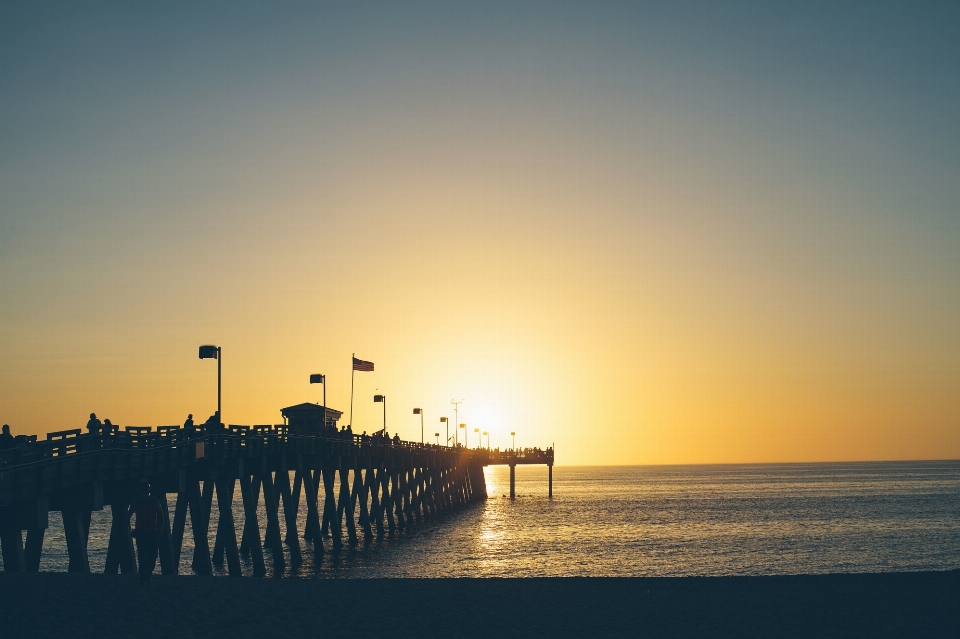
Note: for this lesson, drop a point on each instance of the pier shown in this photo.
(353, 486)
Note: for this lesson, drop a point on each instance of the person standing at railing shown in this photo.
(108, 428)
(93, 425)
(6, 439)
(212, 425)
(149, 513)
(189, 430)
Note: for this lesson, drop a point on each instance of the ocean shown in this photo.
(632, 521)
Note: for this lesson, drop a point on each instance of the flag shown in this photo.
(360, 365)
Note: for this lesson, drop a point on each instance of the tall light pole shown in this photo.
(447, 422)
(513, 437)
(316, 378)
(417, 411)
(382, 398)
(465, 439)
(456, 416)
(209, 351)
(479, 438)
(438, 438)
(487, 433)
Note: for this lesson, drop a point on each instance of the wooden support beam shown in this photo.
(11, 541)
(76, 540)
(345, 504)
(250, 490)
(513, 482)
(120, 555)
(164, 542)
(33, 548)
(290, 507)
(246, 541)
(387, 481)
(200, 522)
(550, 481)
(330, 522)
(226, 531)
(397, 497)
(311, 529)
(376, 510)
(415, 497)
(271, 539)
(330, 506)
(295, 496)
(179, 522)
(362, 485)
(405, 507)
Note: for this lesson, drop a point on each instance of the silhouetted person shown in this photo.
(149, 513)
(189, 430)
(93, 425)
(213, 422)
(6, 439)
(108, 428)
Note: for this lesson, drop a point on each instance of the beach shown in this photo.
(838, 605)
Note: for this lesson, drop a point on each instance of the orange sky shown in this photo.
(644, 237)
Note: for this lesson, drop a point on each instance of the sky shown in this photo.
(645, 233)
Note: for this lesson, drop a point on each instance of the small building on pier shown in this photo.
(306, 418)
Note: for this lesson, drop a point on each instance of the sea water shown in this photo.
(642, 521)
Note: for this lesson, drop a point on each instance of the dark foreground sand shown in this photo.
(869, 605)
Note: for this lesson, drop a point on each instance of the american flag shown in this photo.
(360, 365)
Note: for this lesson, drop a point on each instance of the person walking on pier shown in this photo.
(94, 425)
(149, 513)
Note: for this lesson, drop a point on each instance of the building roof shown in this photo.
(310, 409)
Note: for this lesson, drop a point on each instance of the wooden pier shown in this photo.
(353, 486)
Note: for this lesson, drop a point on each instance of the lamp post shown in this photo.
(209, 351)
(316, 378)
(487, 433)
(382, 398)
(513, 437)
(417, 411)
(447, 422)
(479, 438)
(438, 438)
(464, 427)
(456, 416)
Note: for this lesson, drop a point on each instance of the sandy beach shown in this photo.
(866, 605)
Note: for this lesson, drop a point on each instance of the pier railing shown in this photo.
(265, 437)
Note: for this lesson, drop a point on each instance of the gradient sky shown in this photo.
(648, 232)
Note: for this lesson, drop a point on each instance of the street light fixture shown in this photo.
(479, 438)
(316, 378)
(464, 427)
(438, 438)
(447, 422)
(513, 436)
(417, 411)
(487, 433)
(382, 398)
(209, 351)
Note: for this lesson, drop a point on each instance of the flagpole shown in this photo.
(352, 373)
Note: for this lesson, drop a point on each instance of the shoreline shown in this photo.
(841, 605)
